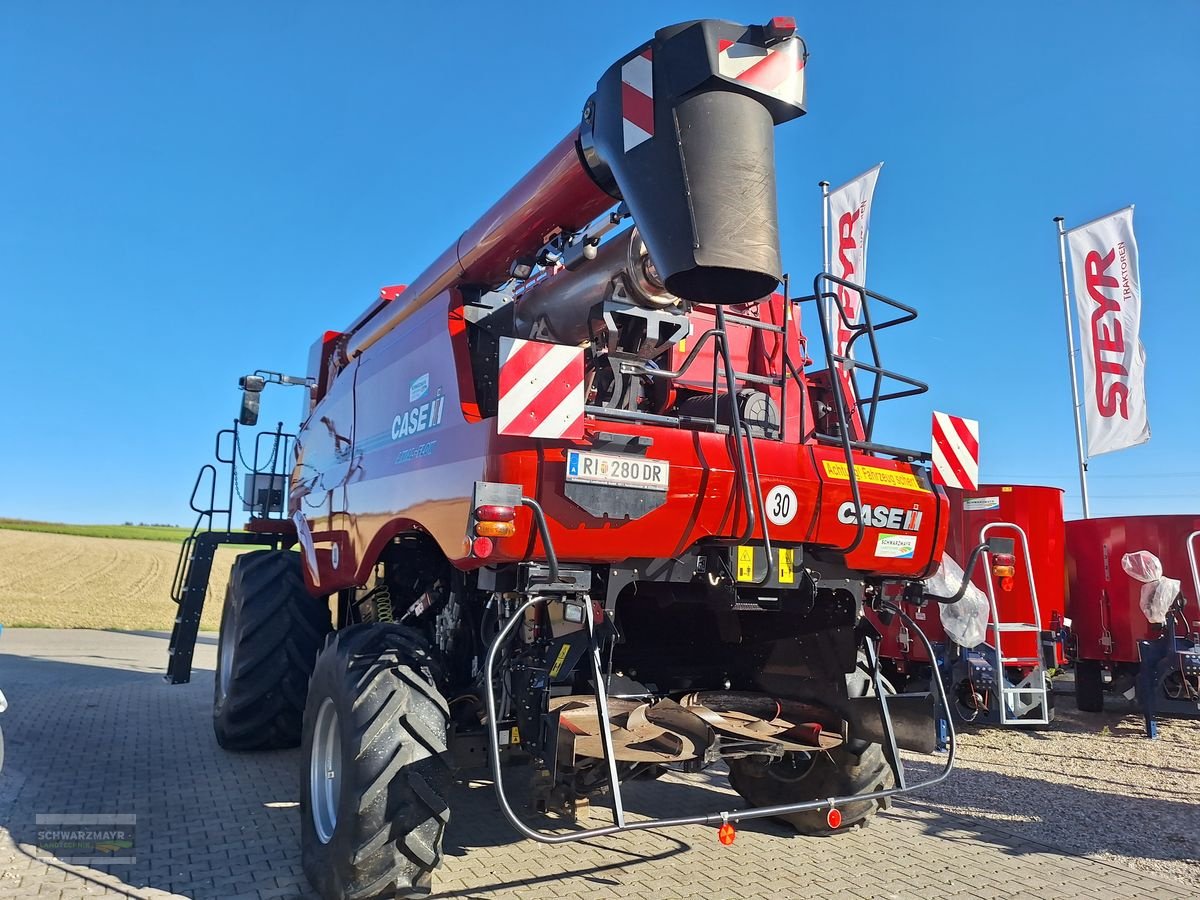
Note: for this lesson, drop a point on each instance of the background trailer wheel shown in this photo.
(1089, 685)
(271, 631)
(374, 776)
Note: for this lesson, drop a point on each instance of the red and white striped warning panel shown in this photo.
(777, 70)
(541, 389)
(637, 99)
(955, 451)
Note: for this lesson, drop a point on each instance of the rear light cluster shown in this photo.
(492, 521)
(1004, 567)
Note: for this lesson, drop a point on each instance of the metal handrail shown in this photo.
(716, 818)
(1191, 549)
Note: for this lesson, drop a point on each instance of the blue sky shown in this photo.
(192, 191)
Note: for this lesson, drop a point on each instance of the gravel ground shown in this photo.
(1090, 783)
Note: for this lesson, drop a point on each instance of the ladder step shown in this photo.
(1014, 626)
(1020, 659)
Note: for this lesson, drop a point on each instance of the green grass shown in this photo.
(134, 532)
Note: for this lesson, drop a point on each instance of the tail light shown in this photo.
(493, 521)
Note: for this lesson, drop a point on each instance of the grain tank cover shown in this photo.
(682, 129)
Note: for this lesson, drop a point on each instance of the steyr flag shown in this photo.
(1108, 298)
(849, 217)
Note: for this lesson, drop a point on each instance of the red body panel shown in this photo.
(1102, 598)
(1039, 512)
(404, 469)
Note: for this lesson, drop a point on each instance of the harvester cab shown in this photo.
(578, 493)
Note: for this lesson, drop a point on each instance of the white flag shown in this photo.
(1108, 298)
(849, 218)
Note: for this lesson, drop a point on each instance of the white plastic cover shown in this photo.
(1158, 593)
(965, 621)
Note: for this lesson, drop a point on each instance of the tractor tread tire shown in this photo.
(845, 771)
(1089, 686)
(838, 773)
(278, 629)
(393, 722)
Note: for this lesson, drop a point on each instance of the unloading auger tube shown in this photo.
(715, 818)
(684, 137)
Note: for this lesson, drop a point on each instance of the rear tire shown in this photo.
(271, 631)
(844, 771)
(377, 720)
(1089, 685)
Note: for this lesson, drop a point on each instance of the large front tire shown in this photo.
(845, 771)
(271, 631)
(375, 775)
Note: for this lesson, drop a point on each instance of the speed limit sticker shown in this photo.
(781, 505)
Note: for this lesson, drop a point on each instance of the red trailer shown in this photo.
(1106, 619)
(1027, 614)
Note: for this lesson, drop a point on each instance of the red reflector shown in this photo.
(834, 817)
(482, 547)
(726, 833)
(492, 513)
(1006, 583)
(782, 26)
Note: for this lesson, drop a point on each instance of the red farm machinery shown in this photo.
(1112, 634)
(997, 648)
(578, 495)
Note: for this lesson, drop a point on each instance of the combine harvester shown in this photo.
(996, 648)
(1108, 619)
(577, 495)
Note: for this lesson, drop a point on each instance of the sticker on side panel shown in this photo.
(781, 505)
(745, 563)
(896, 546)
(977, 503)
(787, 569)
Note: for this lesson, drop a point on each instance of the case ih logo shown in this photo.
(892, 517)
(419, 418)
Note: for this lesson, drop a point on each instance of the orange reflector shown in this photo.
(834, 817)
(482, 547)
(726, 833)
(1006, 584)
(495, 529)
(1004, 571)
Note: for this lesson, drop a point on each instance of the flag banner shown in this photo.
(849, 216)
(1108, 299)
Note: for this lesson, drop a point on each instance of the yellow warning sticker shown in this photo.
(787, 575)
(516, 735)
(874, 475)
(562, 658)
(745, 564)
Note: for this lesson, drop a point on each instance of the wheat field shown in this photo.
(67, 581)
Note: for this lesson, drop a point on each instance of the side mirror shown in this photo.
(252, 386)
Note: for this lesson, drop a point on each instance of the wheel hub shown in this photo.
(325, 771)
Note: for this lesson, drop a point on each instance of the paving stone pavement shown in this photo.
(93, 729)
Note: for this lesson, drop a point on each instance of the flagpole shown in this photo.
(824, 186)
(826, 306)
(1062, 265)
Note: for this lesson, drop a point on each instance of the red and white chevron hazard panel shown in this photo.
(637, 99)
(955, 451)
(541, 389)
(777, 70)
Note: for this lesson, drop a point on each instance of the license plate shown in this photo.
(618, 469)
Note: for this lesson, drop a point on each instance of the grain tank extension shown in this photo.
(582, 493)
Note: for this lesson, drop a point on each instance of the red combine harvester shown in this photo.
(1107, 621)
(1004, 679)
(578, 495)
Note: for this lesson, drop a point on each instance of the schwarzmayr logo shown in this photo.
(87, 839)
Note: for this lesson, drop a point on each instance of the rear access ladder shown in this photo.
(1028, 701)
